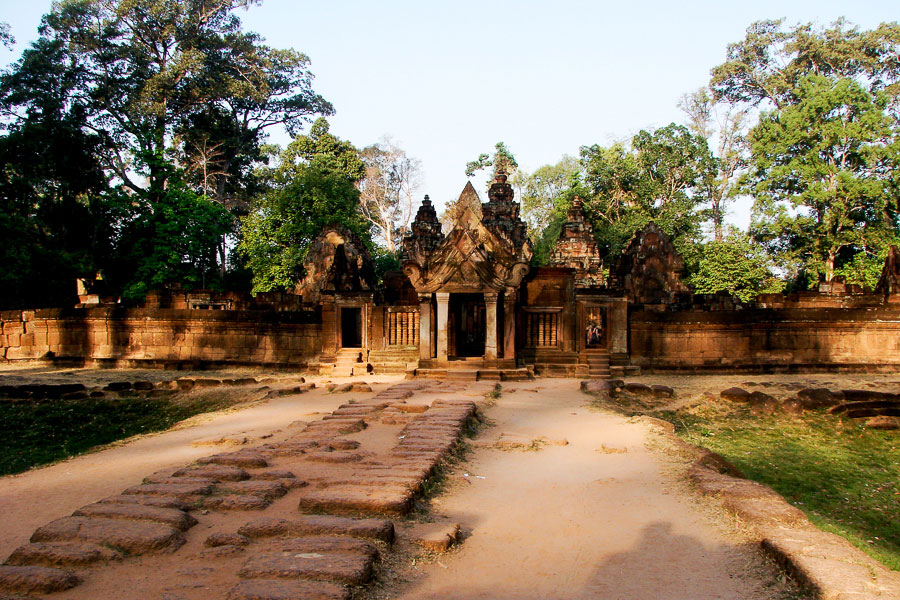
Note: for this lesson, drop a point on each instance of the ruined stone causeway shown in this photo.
(304, 518)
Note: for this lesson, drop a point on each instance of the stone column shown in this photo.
(424, 326)
(443, 306)
(490, 338)
(509, 325)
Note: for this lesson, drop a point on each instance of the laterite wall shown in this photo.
(161, 336)
(766, 339)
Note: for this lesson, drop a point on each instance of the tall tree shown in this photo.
(502, 161)
(735, 264)
(388, 190)
(822, 175)
(725, 125)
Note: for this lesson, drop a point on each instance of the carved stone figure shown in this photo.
(649, 270)
(337, 261)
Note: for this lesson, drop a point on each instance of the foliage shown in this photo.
(322, 151)
(285, 220)
(178, 81)
(657, 179)
(822, 172)
(168, 237)
(769, 65)
(735, 265)
(53, 219)
(503, 161)
(387, 191)
(6, 38)
(36, 433)
(543, 193)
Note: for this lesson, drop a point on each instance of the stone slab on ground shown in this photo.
(278, 589)
(352, 499)
(346, 568)
(142, 499)
(36, 580)
(328, 544)
(134, 537)
(436, 537)
(242, 459)
(373, 529)
(62, 554)
(214, 472)
(178, 490)
(167, 516)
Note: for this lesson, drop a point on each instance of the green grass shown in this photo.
(36, 433)
(844, 476)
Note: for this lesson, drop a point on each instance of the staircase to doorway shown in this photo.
(598, 362)
(349, 361)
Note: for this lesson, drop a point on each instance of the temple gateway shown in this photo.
(468, 303)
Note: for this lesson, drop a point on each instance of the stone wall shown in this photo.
(161, 337)
(766, 339)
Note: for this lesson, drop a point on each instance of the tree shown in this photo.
(387, 191)
(822, 174)
(727, 125)
(735, 265)
(323, 151)
(657, 179)
(502, 161)
(767, 67)
(6, 38)
(284, 221)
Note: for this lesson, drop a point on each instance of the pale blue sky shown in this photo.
(448, 80)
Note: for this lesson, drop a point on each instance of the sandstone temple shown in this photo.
(469, 304)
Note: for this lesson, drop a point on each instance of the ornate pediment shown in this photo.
(472, 257)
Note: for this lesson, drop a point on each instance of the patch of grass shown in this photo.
(36, 433)
(845, 477)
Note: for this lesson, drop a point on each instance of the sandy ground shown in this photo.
(606, 516)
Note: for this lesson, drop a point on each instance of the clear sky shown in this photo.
(447, 80)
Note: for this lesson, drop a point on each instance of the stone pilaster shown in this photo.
(490, 338)
(443, 306)
(509, 324)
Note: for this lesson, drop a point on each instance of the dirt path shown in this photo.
(602, 517)
(31, 499)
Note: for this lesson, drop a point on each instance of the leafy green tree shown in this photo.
(502, 161)
(657, 179)
(284, 221)
(6, 38)
(822, 174)
(769, 64)
(169, 237)
(321, 150)
(388, 190)
(735, 265)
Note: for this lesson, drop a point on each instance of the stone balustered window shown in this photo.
(403, 328)
(541, 329)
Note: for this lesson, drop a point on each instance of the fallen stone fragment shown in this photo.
(761, 402)
(214, 472)
(436, 537)
(36, 580)
(161, 501)
(134, 537)
(662, 391)
(226, 539)
(226, 551)
(274, 475)
(816, 398)
(349, 568)
(764, 513)
(279, 589)
(735, 394)
(179, 490)
(373, 529)
(334, 457)
(62, 554)
(883, 422)
(167, 516)
(243, 459)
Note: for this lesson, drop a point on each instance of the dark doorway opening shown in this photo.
(351, 327)
(467, 325)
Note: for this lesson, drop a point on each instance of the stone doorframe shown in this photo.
(364, 322)
(491, 301)
(616, 311)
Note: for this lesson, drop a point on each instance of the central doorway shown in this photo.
(466, 325)
(351, 327)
